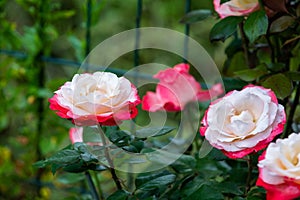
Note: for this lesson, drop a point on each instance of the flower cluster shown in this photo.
(240, 123)
(247, 121)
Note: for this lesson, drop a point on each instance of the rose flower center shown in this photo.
(241, 123)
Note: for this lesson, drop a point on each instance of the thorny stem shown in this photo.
(110, 163)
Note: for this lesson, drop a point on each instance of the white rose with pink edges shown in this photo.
(98, 98)
(235, 7)
(279, 169)
(243, 121)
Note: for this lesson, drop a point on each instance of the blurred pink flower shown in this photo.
(175, 89)
(243, 121)
(279, 169)
(235, 7)
(98, 98)
(76, 135)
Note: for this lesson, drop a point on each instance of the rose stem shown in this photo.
(98, 186)
(292, 112)
(91, 185)
(110, 163)
(196, 144)
(250, 168)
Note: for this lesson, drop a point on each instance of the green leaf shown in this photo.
(119, 195)
(130, 148)
(252, 74)
(239, 198)
(295, 76)
(234, 47)
(145, 177)
(157, 182)
(41, 164)
(229, 188)
(192, 186)
(81, 147)
(225, 28)
(55, 167)
(233, 84)
(256, 193)
(281, 24)
(276, 67)
(196, 16)
(153, 131)
(237, 62)
(88, 157)
(256, 25)
(65, 156)
(205, 149)
(280, 84)
(206, 192)
(294, 62)
(185, 164)
(97, 167)
(216, 154)
(119, 138)
(138, 144)
(74, 160)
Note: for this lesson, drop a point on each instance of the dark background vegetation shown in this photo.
(33, 34)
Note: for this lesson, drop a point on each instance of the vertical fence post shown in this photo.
(88, 31)
(40, 84)
(137, 36)
(186, 31)
(87, 51)
(136, 60)
(136, 56)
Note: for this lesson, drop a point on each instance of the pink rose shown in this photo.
(175, 89)
(76, 135)
(243, 121)
(98, 98)
(235, 7)
(279, 169)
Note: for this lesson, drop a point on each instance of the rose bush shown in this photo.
(235, 7)
(175, 89)
(101, 97)
(279, 168)
(243, 121)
